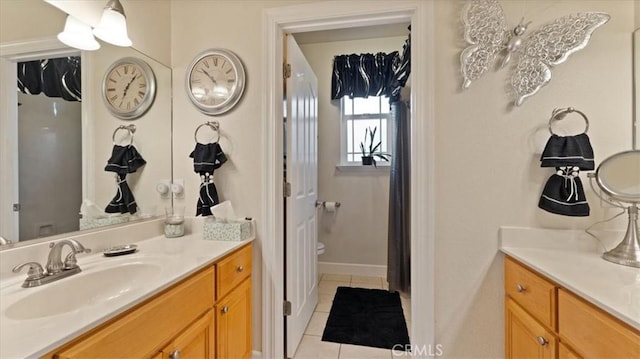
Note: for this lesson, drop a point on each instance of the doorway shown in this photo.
(335, 15)
(355, 234)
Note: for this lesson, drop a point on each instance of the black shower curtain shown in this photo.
(399, 243)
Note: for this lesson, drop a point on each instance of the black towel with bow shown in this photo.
(207, 158)
(568, 151)
(124, 160)
(564, 194)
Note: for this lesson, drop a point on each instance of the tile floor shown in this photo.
(312, 345)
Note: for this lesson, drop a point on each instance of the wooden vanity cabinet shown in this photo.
(544, 320)
(192, 319)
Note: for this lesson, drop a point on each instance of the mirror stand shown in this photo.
(628, 251)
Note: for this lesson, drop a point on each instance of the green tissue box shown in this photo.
(237, 230)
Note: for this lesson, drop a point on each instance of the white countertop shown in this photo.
(572, 260)
(179, 257)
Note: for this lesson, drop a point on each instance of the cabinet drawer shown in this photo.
(532, 292)
(232, 270)
(144, 330)
(593, 333)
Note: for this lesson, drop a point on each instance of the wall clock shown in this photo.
(128, 88)
(215, 81)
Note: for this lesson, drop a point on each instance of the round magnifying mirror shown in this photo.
(619, 178)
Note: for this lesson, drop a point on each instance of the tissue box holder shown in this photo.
(238, 230)
(90, 223)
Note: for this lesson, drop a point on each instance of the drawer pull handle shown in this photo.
(542, 341)
(239, 269)
(520, 288)
(225, 309)
(175, 354)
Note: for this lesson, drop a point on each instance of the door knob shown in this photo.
(520, 288)
(225, 309)
(175, 354)
(239, 269)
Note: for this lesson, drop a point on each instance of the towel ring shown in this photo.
(130, 128)
(560, 113)
(215, 126)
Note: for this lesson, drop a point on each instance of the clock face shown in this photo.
(128, 88)
(215, 81)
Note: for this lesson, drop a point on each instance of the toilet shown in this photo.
(320, 248)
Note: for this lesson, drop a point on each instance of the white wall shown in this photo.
(488, 173)
(43, 20)
(357, 232)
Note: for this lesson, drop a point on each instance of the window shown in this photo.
(357, 115)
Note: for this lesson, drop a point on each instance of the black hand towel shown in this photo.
(564, 194)
(124, 160)
(568, 151)
(207, 158)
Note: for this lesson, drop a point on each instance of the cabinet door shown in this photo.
(196, 342)
(565, 353)
(233, 323)
(524, 336)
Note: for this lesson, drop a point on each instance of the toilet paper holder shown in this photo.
(324, 204)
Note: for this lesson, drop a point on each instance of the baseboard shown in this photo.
(256, 355)
(371, 270)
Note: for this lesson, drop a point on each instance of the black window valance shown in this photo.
(367, 75)
(59, 77)
(363, 75)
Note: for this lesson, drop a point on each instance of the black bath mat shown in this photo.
(369, 317)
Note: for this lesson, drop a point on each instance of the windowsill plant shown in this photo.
(369, 153)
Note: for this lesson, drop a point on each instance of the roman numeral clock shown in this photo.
(128, 88)
(215, 81)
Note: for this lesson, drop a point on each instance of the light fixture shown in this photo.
(113, 25)
(78, 35)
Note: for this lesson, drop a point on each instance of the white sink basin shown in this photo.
(88, 288)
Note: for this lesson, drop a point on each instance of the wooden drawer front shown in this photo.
(524, 336)
(592, 333)
(143, 331)
(565, 353)
(531, 291)
(232, 270)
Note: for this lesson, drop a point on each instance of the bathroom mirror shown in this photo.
(90, 134)
(619, 176)
(619, 179)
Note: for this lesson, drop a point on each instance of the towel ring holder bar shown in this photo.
(131, 129)
(214, 125)
(560, 113)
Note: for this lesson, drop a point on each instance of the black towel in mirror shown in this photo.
(123, 160)
(207, 158)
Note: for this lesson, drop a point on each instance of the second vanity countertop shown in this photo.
(174, 259)
(573, 261)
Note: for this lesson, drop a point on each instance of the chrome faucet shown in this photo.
(55, 269)
(54, 262)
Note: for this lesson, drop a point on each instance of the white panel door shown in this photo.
(302, 173)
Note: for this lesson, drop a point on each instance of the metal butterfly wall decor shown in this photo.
(487, 35)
